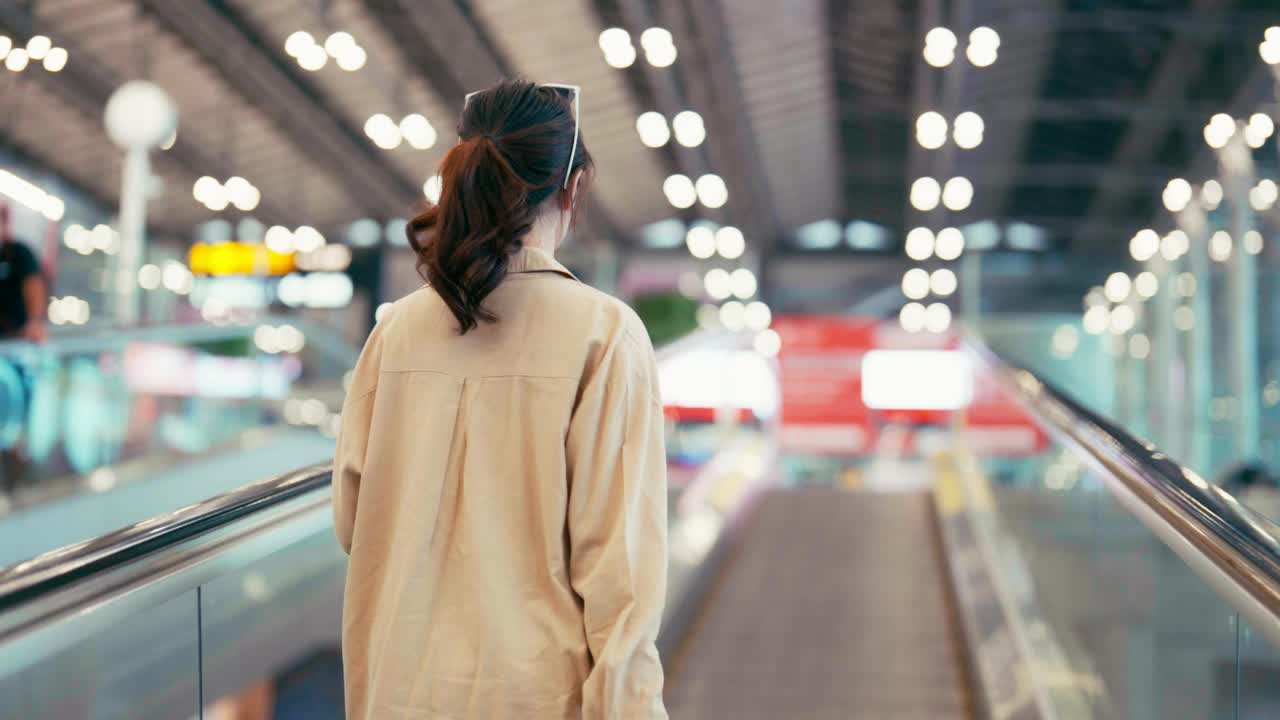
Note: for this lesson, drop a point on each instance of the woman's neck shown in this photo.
(542, 236)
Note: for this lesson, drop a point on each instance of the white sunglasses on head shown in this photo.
(576, 91)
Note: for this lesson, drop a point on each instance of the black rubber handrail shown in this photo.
(55, 569)
(1239, 542)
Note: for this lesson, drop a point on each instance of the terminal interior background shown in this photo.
(967, 315)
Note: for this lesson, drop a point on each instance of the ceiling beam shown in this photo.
(877, 170)
(1189, 22)
(708, 72)
(454, 56)
(1145, 133)
(661, 90)
(87, 85)
(267, 80)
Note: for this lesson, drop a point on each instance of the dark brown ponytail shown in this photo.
(516, 142)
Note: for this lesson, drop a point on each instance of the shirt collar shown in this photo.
(532, 259)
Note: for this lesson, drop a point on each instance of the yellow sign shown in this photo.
(238, 258)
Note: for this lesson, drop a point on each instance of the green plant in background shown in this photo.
(230, 347)
(666, 315)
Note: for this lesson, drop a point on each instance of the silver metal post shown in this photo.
(1199, 339)
(133, 222)
(1242, 298)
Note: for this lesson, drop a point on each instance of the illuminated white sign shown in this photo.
(916, 380)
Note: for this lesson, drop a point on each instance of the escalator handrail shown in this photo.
(44, 573)
(1241, 544)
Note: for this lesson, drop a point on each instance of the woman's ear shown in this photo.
(571, 196)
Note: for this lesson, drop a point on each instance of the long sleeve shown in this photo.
(618, 530)
(353, 439)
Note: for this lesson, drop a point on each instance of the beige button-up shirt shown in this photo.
(502, 495)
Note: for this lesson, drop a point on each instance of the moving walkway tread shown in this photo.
(834, 605)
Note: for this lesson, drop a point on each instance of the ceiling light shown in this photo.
(730, 243)
(1252, 242)
(1097, 319)
(981, 55)
(1220, 246)
(659, 48)
(653, 130)
(1211, 194)
(217, 199)
(655, 37)
(1269, 49)
(733, 316)
(768, 342)
(1263, 196)
(1065, 341)
(1117, 287)
(984, 35)
(1146, 285)
(925, 194)
(1122, 319)
(620, 59)
(912, 317)
(943, 282)
(758, 315)
(1095, 296)
(417, 130)
(1177, 195)
(6, 44)
(204, 188)
(17, 60)
(940, 47)
(942, 37)
(931, 130)
(968, 130)
(1219, 130)
(919, 244)
(689, 128)
(278, 239)
(617, 48)
(984, 44)
(1144, 245)
(307, 239)
(701, 241)
(313, 58)
(1184, 318)
(711, 191)
(718, 283)
(680, 191)
(352, 59)
(298, 42)
(248, 199)
(938, 57)
(1139, 347)
(957, 194)
(937, 317)
(338, 43)
(39, 46)
(950, 244)
(55, 60)
(744, 283)
(915, 283)
(614, 39)
(1174, 245)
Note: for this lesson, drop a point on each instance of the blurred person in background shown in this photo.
(23, 295)
(500, 477)
(1255, 487)
(23, 298)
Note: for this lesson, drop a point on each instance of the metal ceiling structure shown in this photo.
(809, 105)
